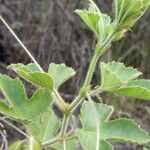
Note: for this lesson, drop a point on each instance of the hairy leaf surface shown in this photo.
(19, 106)
(109, 130)
(137, 89)
(60, 73)
(127, 12)
(115, 75)
(45, 127)
(32, 74)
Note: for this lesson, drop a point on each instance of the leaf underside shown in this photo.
(60, 73)
(18, 105)
(45, 127)
(109, 130)
(32, 74)
(114, 75)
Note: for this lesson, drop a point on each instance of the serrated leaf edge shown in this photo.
(134, 123)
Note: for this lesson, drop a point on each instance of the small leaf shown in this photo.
(118, 130)
(91, 16)
(127, 12)
(124, 130)
(98, 22)
(32, 74)
(120, 74)
(45, 127)
(137, 89)
(19, 106)
(60, 73)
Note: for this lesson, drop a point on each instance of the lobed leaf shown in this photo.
(19, 106)
(124, 130)
(127, 12)
(45, 127)
(115, 75)
(60, 73)
(90, 16)
(137, 89)
(32, 74)
(98, 22)
(119, 130)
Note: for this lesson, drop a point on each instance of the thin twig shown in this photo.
(23, 46)
(17, 129)
(4, 141)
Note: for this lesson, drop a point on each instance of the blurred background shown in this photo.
(53, 33)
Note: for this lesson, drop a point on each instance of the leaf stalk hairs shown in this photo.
(37, 113)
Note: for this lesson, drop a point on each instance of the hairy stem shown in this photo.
(86, 83)
(46, 144)
(33, 144)
(60, 102)
(64, 144)
(64, 126)
(90, 71)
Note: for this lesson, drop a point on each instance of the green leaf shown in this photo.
(32, 74)
(60, 73)
(17, 145)
(118, 130)
(120, 74)
(127, 12)
(91, 16)
(105, 26)
(104, 145)
(98, 22)
(70, 144)
(45, 128)
(124, 130)
(19, 106)
(133, 134)
(5, 109)
(137, 89)
(88, 140)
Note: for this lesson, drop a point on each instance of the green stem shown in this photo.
(86, 83)
(33, 144)
(91, 70)
(64, 125)
(60, 102)
(46, 144)
(99, 51)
